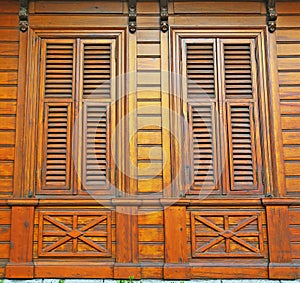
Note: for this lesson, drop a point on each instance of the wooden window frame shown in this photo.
(31, 179)
(181, 170)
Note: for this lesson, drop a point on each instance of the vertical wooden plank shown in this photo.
(29, 119)
(279, 241)
(132, 106)
(274, 104)
(166, 140)
(278, 233)
(126, 242)
(176, 255)
(22, 222)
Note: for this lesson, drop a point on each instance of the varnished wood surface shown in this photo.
(287, 50)
(9, 52)
(160, 232)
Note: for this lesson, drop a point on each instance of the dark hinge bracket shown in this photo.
(271, 15)
(164, 14)
(23, 15)
(132, 16)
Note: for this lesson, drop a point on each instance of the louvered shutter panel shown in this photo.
(204, 171)
(97, 94)
(200, 65)
(56, 167)
(96, 69)
(240, 98)
(95, 146)
(59, 69)
(56, 105)
(200, 70)
(238, 71)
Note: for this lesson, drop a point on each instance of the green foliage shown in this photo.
(2, 281)
(129, 280)
(61, 281)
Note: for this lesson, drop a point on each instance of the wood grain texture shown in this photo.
(5, 235)
(226, 7)
(151, 235)
(278, 224)
(9, 51)
(149, 113)
(79, 233)
(127, 234)
(176, 251)
(220, 108)
(294, 217)
(289, 79)
(20, 262)
(73, 7)
(229, 55)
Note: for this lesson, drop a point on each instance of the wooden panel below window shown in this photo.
(151, 234)
(294, 227)
(5, 234)
(74, 234)
(226, 234)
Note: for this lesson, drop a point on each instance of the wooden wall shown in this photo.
(4, 237)
(9, 53)
(288, 54)
(157, 237)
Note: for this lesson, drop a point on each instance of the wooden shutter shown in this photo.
(56, 160)
(76, 113)
(242, 147)
(56, 111)
(97, 94)
(199, 64)
(96, 146)
(96, 69)
(239, 96)
(223, 151)
(203, 119)
(59, 59)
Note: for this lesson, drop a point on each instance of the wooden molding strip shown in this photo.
(23, 202)
(151, 202)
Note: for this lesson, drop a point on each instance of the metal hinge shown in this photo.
(132, 16)
(23, 15)
(271, 15)
(164, 14)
